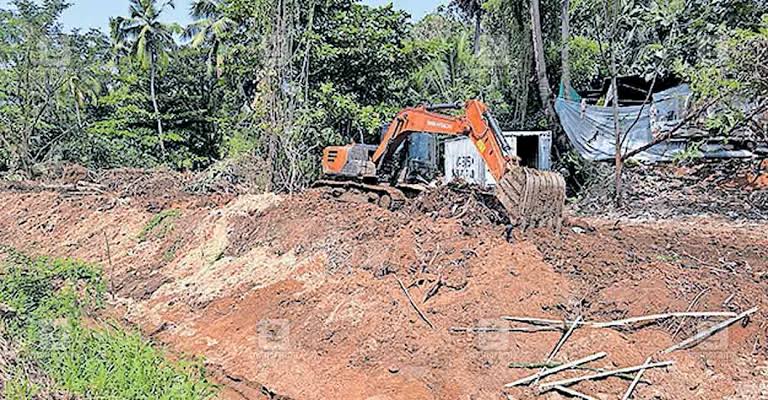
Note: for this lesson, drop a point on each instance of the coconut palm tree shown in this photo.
(545, 91)
(148, 41)
(210, 26)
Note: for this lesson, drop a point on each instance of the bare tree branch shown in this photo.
(640, 113)
(759, 109)
(671, 133)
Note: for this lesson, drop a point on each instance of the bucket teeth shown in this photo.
(532, 198)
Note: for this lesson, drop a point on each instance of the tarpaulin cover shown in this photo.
(591, 128)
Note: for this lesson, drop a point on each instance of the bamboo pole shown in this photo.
(634, 383)
(555, 370)
(559, 345)
(705, 334)
(573, 393)
(601, 375)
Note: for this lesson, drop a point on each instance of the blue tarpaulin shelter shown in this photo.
(591, 129)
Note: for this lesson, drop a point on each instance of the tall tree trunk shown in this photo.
(545, 92)
(565, 52)
(214, 74)
(152, 73)
(25, 151)
(476, 42)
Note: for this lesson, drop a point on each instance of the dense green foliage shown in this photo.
(280, 79)
(45, 301)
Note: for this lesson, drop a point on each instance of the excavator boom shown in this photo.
(531, 198)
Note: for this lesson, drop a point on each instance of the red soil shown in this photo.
(299, 295)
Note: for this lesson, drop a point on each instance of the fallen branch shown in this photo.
(654, 317)
(435, 288)
(111, 267)
(705, 334)
(559, 345)
(490, 329)
(539, 365)
(573, 393)
(622, 322)
(555, 370)
(634, 383)
(693, 304)
(537, 321)
(566, 382)
(413, 304)
(671, 133)
(728, 300)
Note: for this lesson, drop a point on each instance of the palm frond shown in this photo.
(195, 28)
(222, 26)
(204, 9)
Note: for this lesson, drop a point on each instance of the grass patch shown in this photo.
(44, 301)
(20, 387)
(111, 363)
(159, 225)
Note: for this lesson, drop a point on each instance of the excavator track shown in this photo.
(531, 197)
(387, 196)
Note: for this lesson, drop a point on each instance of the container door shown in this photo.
(545, 151)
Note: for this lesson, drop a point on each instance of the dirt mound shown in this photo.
(300, 295)
(244, 175)
(64, 174)
(734, 189)
(465, 202)
(429, 251)
(688, 256)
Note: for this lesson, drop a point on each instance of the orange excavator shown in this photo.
(532, 198)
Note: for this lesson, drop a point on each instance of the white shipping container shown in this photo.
(463, 161)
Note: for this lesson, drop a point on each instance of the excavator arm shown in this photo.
(477, 123)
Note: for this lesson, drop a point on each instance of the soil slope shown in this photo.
(298, 296)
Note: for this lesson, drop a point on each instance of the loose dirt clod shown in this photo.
(468, 203)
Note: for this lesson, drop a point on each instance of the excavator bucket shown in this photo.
(531, 197)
